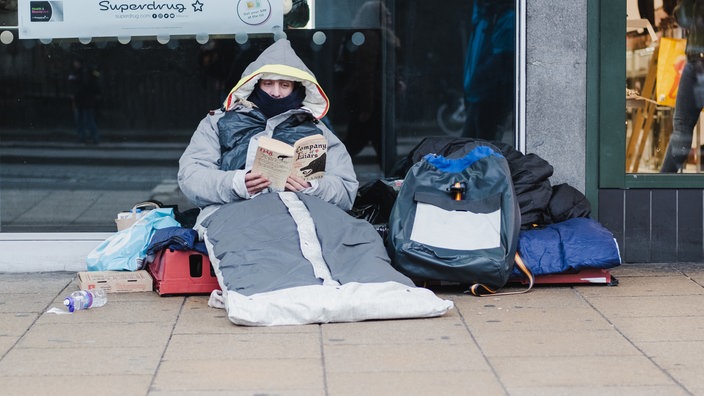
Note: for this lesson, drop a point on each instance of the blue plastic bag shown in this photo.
(127, 249)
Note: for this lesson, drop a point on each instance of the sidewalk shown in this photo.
(643, 337)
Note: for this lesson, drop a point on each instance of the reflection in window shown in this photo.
(655, 65)
(489, 71)
(359, 69)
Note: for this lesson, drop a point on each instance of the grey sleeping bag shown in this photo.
(291, 258)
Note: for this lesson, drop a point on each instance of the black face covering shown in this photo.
(271, 106)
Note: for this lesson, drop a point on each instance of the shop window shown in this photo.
(394, 71)
(655, 60)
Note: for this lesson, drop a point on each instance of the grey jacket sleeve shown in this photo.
(199, 176)
(339, 185)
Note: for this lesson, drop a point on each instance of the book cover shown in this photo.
(277, 160)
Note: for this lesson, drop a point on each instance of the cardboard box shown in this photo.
(125, 220)
(116, 281)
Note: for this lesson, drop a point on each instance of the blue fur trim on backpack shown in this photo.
(460, 164)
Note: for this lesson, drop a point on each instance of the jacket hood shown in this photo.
(280, 62)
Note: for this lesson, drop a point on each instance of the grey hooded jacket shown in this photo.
(199, 175)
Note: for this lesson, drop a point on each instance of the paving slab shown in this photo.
(7, 342)
(420, 383)
(646, 269)
(16, 324)
(236, 392)
(96, 335)
(76, 384)
(448, 330)
(197, 317)
(256, 376)
(676, 355)
(542, 297)
(664, 329)
(683, 360)
(70, 362)
(608, 390)
(578, 371)
(24, 303)
(244, 346)
(44, 283)
(403, 357)
(232, 392)
(648, 306)
(551, 343)
(690, 379)
(535, 318)
(646, 286)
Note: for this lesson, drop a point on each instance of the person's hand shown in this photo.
(295, 183)
(255, 182)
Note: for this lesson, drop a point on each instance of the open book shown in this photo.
(277, 160)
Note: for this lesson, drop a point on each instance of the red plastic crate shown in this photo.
(182, 272)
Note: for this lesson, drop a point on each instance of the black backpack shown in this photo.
(457, 219)
(530, 173)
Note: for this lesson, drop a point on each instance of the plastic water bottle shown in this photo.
(84, 299)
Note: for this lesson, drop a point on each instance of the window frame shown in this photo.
(606, 76)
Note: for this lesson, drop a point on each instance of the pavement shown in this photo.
(642, 337)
